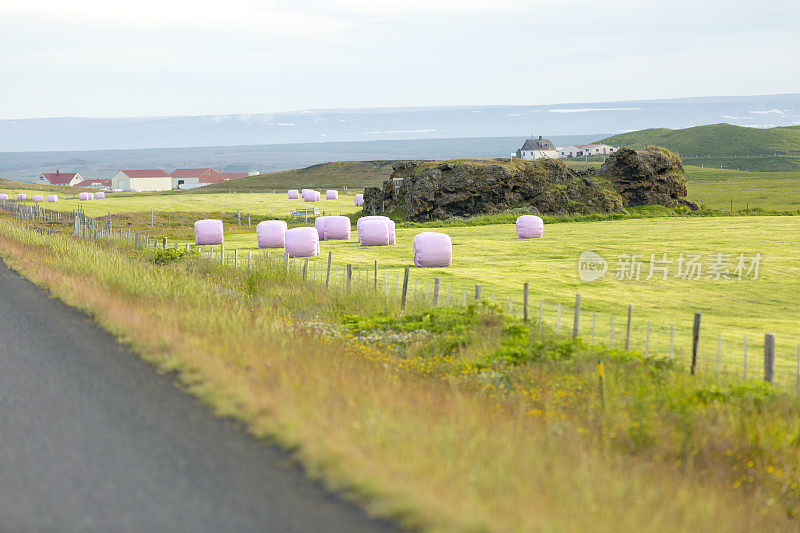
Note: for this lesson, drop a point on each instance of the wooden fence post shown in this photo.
(628, 330)
(376, 274)
(576, 321)
(164, 242)
(349, 274)
(477, 291)
(328, 275)
(305, 269)
(435, 292)
(404, 293)
(525, 302)
(769, 357)
(695, 340)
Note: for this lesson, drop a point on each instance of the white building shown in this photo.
(537, 149)
(582, 150)
(153, 179)
(58, 178)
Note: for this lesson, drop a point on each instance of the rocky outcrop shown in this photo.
(422, 191)
(653, 176)
(428, 191)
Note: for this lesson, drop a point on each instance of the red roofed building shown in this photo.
(94, 184)
(58, 178)
(183, 177)
(581, 150)
(151, 179)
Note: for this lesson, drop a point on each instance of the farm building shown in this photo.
(153, 179)
(181, 177)
(58, 178)
(95, 184)
(581, 150)
(537, 149)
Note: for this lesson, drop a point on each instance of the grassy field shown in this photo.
(492, 257)
(454, 420)
(257, 204)
(717, 188)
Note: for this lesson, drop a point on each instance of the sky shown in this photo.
(88, 58)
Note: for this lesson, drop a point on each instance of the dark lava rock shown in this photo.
(653, 176)
(435, 190)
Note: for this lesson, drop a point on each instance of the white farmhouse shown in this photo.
(58, 178)
(537, 149)
(581, 150)
(153, 179)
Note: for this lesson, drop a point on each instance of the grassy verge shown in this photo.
(460, 419)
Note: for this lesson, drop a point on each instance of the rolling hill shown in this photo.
(724, 146)
(340, 174)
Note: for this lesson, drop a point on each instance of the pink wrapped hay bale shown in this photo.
(136, 190)
(530, 227)
(359, 200)
(432, 249)
(208, 231)
(271, 234)
(99, 196)
(91, 196)
(38, 198)
(21, 196)
(373, 232)
(293, 194)
(83, 196)
(336, 228)
(390, 232)
(331, 195)
(311, 196)
(52, 198)
(319, 225)
(302, 242)
(3, 196)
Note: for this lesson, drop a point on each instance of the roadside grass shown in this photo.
(476, 422)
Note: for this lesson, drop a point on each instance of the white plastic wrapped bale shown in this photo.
(359, 200)
(336, 228)
(208, 231)
(530, 227)
(432, 249)
(319, 225)
(271, 234)
(293, 194)
(331, 195)
(362, 220)
(38, 198)
(302, 242)
(99, 196)
(374, 232)
(52, 198)
(21, 197)
(83, 196)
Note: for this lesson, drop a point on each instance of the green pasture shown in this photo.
(262, 204)
(493, 257)
(764, 190)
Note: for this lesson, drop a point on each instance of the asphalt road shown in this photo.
(94, 439)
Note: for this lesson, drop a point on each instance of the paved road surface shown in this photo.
(93, 439)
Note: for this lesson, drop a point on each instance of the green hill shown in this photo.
(340, 174)
(723, 145)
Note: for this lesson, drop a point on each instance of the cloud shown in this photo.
(768, 112)
(590, 109)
